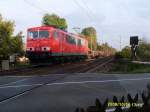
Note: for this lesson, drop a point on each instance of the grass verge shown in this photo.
(126, 66)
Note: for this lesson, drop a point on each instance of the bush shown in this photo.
(118, 55)
(143, 51)
(125, 53)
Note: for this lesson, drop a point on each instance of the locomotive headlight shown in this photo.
(30, 49)
(45, 48)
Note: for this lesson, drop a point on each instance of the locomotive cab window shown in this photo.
(79, 42)
(55, 35)
(33, 34)
(71, 40)
(82, 42)
(43, 34)
(39, 34)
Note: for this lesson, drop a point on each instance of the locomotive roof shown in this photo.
(40, 27)
(53, 27)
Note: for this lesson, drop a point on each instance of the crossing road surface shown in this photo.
(65, 92)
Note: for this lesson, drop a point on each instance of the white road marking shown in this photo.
(63, 83)
(13, 82)
(18, 76)
(100, 81)
(78, 82)
(17, 86)
(24, 76)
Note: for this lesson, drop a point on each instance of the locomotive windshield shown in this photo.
(39, 34)
(43, 34)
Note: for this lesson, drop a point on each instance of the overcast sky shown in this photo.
(113, 19)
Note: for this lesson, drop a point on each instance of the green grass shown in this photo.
(129, 67)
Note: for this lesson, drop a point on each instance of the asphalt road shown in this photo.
(65, 92)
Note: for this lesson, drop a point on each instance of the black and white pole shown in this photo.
(134, 43)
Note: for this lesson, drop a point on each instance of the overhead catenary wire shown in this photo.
(43, 11)
(90, 13)
(89, 9)
(86, 12)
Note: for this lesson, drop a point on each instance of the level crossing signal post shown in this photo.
(134, 43)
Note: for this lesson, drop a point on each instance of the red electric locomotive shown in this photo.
(48, 42)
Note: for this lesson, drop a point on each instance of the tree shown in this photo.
(90, 34)
(124, 53)
(8, 43)
(143, 51)
(106, 49)
(17, 44)
(6, 31)
(54, 20)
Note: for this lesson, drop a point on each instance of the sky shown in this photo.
(114, 20)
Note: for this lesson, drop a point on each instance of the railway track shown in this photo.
(39, 66)
(24, 69)
(99, 65)
(49, 68)
(91, 66)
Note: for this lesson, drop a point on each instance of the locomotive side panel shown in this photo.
(55, 43)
